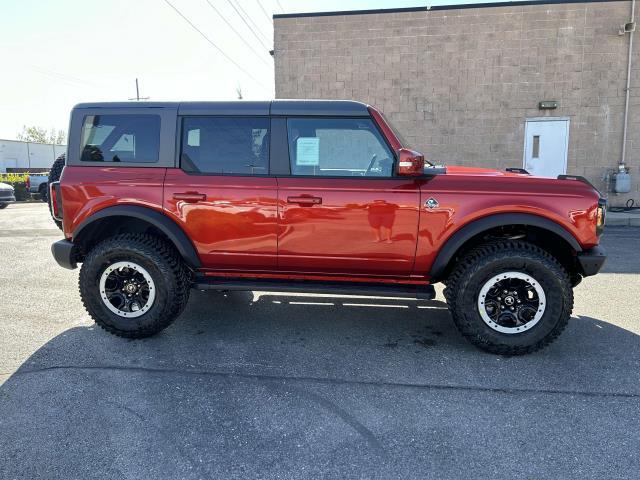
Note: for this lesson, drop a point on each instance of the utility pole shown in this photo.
(138, 97)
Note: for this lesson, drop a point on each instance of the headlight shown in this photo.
(601, 214)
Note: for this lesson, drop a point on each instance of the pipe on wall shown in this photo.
(627, 88)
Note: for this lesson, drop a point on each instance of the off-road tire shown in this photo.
(160, 259)
(479, 265)
(54, 176)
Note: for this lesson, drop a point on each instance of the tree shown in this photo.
(40, 135)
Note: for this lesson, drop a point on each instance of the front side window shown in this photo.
(225, 145)
(343, 147)
(120, 138)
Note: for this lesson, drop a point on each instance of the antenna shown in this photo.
(138, 97)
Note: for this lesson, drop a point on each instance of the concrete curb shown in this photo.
(623, 219)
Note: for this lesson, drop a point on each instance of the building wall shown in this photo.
(459, 83)
(18, 156)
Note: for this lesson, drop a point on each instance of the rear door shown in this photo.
(222, 195)
(546, 146)
(341, 209)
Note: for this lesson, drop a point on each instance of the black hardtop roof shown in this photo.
(246, 107)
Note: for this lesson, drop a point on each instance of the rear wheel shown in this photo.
(134, 285)
(509, 297)
(54, 176)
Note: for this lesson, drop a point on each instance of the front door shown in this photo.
(342, 211)
(546, 144)
(222, 196)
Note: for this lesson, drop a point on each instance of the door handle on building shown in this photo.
(190, 197)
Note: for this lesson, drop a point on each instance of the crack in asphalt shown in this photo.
(328, 381)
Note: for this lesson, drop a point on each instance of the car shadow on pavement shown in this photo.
(257, 384)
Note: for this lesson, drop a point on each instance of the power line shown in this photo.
(280, 5)
(62, 77)
(239, 35)
(214, 45)
(264, 11)
(248, 26)
(248, 17)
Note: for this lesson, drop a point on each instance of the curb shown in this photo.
(622, 222)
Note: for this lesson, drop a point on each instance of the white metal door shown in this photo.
(546, 141)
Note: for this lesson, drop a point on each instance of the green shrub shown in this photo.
(21, 191)
(12, 178)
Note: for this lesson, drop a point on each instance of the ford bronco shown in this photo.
(311, 196)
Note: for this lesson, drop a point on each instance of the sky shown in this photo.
(56, 54)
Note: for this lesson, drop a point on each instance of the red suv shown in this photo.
(311, 196)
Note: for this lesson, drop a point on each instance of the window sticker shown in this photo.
(193, 138)
(308, 151)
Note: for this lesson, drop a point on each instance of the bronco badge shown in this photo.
(431, 203)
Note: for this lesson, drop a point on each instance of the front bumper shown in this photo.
(63, 252)
(7, 196)
(592, 260)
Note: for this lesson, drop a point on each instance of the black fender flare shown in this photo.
(160, 221)
(459, 238)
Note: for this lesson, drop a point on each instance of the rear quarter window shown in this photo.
(120, 138)
(225, 145)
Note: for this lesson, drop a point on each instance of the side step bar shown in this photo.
(421, 292)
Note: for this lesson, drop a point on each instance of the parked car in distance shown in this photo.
(37, 185)
(7, 195)
(311, 196)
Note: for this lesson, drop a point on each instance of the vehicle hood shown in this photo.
(460, 170)
(532, 183)
(5, 186)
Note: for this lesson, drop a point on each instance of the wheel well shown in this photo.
(549, 241)
(109, 226)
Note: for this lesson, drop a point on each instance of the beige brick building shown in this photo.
(461, 83)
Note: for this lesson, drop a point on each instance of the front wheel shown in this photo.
(510, 297)
(134, 285)
(3, 205)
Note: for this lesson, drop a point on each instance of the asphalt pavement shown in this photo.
(260, 385)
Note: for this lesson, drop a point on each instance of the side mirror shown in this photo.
(410, 163)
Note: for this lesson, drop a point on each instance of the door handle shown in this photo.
(305, 200)
(190, 197)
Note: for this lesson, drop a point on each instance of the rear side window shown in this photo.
(225, 145)
(339, 147)
(120, 138)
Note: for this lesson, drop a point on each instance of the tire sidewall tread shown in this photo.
(487, 260)
(54, 176)
(163, 263)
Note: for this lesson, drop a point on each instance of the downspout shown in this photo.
(627, 88)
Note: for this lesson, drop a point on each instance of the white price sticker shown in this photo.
(308, 151)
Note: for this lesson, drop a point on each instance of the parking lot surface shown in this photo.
(259, 385)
